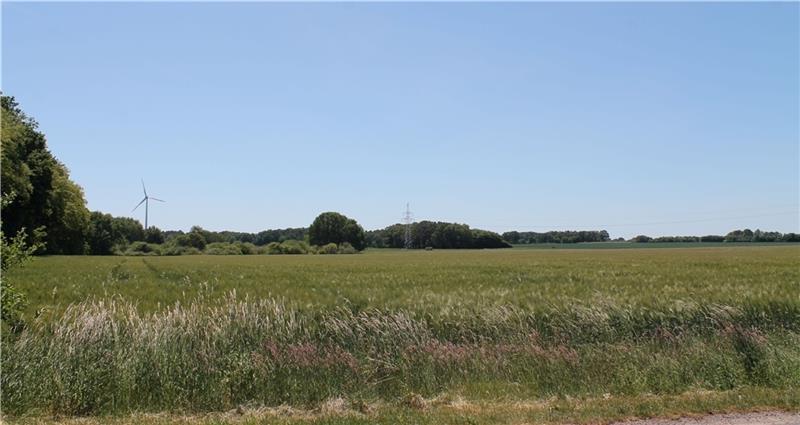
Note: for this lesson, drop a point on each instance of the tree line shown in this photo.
(43, 207)
(568, 236)
(571, 236)
(745, 235)
(440, 235)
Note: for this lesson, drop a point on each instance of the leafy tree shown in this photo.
(101, 237)
(14, 252)
(511, 237)
(332, 227)
(44, 194)
(745, 235)
(790, 237)
(196, 239)
(154, 235)
(127, 229)
(280, 235)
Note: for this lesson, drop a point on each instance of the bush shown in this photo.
(346, 248)
(14, 253)
(295, 247)
(288, 247)
(330, 248)
(273, 248)
(222, 248)
(246, 248)
(172, 249)
(143, 248)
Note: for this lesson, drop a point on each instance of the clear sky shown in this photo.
(654, 118)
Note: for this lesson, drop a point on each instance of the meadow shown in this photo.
(550, 335)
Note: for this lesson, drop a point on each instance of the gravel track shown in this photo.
(763, 418)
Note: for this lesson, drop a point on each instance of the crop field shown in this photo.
(509, 336)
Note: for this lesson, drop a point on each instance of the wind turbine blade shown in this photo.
(156, 199)
(143, 189)
(137, 205)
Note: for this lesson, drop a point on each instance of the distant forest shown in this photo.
(568, 236)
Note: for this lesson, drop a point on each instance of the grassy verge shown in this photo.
(105, 357)
(446, 409)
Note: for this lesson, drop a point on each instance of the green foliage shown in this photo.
(276, 235)
(172, 249)
(426, 234)
(101, 237)
(154, 235)
(143, 248)
(227, 248)
(14, 253)
(346, 248)
(568, 236)
(748, 235)
(330, 248)
(194, 239)
(127, 229)
(332, 227)
(289, 247)
(45, 196)
(107, 232)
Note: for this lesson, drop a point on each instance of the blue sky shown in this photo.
(654, 118)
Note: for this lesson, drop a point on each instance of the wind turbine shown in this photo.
(146, 202)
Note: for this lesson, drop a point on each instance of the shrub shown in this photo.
(330, 248)
(288, 247)
(295, 247)
(346, 248)
(222, 248)
(143, 248)
(273, 248)
(172, 249)
(247, 248)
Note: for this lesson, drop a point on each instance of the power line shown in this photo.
(407, 220)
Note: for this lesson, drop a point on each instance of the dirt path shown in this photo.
(766, 418)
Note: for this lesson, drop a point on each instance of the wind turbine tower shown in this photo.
(146, 202)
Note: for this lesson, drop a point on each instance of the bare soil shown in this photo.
(762, 418)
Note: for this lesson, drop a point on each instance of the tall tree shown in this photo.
(41, 193)
(332, 227)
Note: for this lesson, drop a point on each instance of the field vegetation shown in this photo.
(388, 332)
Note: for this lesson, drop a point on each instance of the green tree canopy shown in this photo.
(332, 227)
(43, 194)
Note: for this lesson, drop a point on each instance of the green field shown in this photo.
(544, 335)
(429, 280)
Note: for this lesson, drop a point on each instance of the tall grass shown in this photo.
(107, 356)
